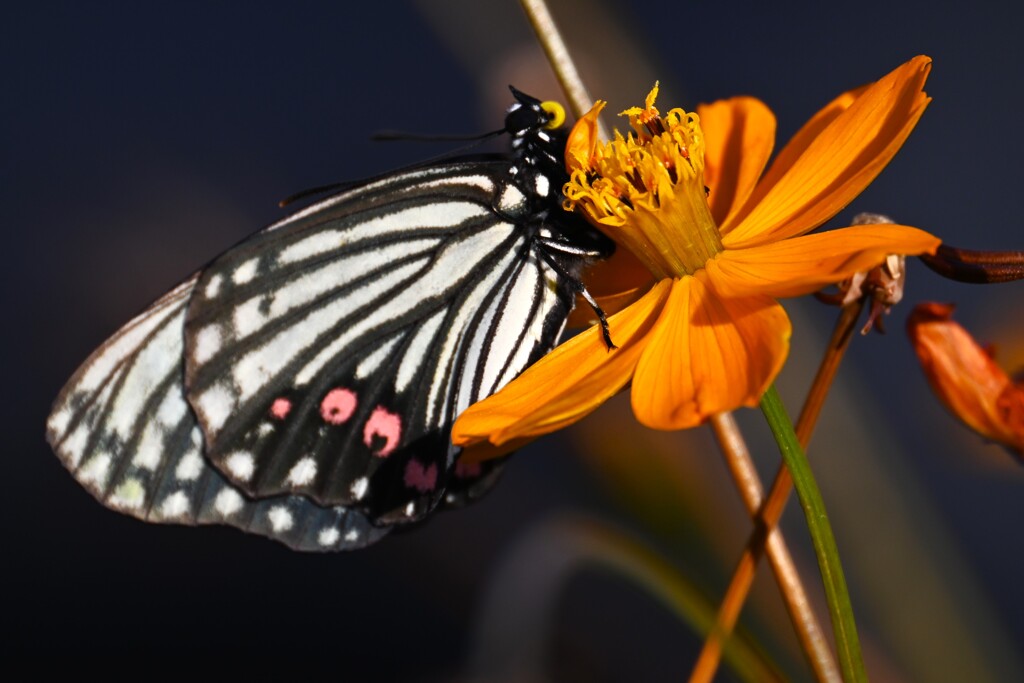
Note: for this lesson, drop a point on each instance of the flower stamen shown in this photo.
(647, 188)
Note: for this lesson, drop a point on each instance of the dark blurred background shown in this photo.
(138, 140)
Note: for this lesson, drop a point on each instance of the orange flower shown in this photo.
(720, 242)
(966, 378)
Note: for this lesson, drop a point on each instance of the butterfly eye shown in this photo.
(556, 112)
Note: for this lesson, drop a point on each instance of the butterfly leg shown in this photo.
(552, 249)
(601, 317)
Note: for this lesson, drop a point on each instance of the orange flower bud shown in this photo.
(966, 378)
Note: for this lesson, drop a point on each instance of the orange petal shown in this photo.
(566, 384)
(707, 354)
(739, 134)
(791, 152)
(806, 264)
(583, 139)
(965, 378)
(840, 162)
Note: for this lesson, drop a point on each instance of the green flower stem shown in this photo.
(841, 610)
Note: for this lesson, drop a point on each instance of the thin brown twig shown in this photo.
(558, 55)
(767, 519)
(808, 629)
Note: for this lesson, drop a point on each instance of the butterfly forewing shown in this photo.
(304, 384)
(123, 428)
(328, 355)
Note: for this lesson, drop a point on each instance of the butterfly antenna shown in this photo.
(475, 141)
(333, 187)
(391, 136)
(394, 135)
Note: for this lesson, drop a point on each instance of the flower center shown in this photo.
(646, 189)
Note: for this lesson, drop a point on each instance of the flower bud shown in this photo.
(966, 378)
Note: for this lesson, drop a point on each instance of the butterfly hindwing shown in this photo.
(124, 430)
(328, 355)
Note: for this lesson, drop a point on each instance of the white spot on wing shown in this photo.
(511, 199)
(213, 286)
(150, 451)
(58, 422)
(541, 184)
(352, 535)
(171, 409)
(241, 465)
(228, 502)
(216, 404)
(248, 318)
(189, 467)
(208, 342)
(359, 487)
(280, 518)
(328, 536)
(302, 472)
(129, 495)
(245, 272)
(174, 505)
(95, 470)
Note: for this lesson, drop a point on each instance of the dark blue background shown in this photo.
(138, 141)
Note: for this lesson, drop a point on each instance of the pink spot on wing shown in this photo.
(384, 424)
(338, 406)
(464, 470)
(421, 478)
(280, 408)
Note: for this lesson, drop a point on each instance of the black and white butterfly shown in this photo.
(303, 385)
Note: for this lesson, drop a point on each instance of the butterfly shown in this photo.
(302, 386)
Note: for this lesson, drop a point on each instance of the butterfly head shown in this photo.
(528, 115)
(538, 137)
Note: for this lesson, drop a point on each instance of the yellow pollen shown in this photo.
(647, 190)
